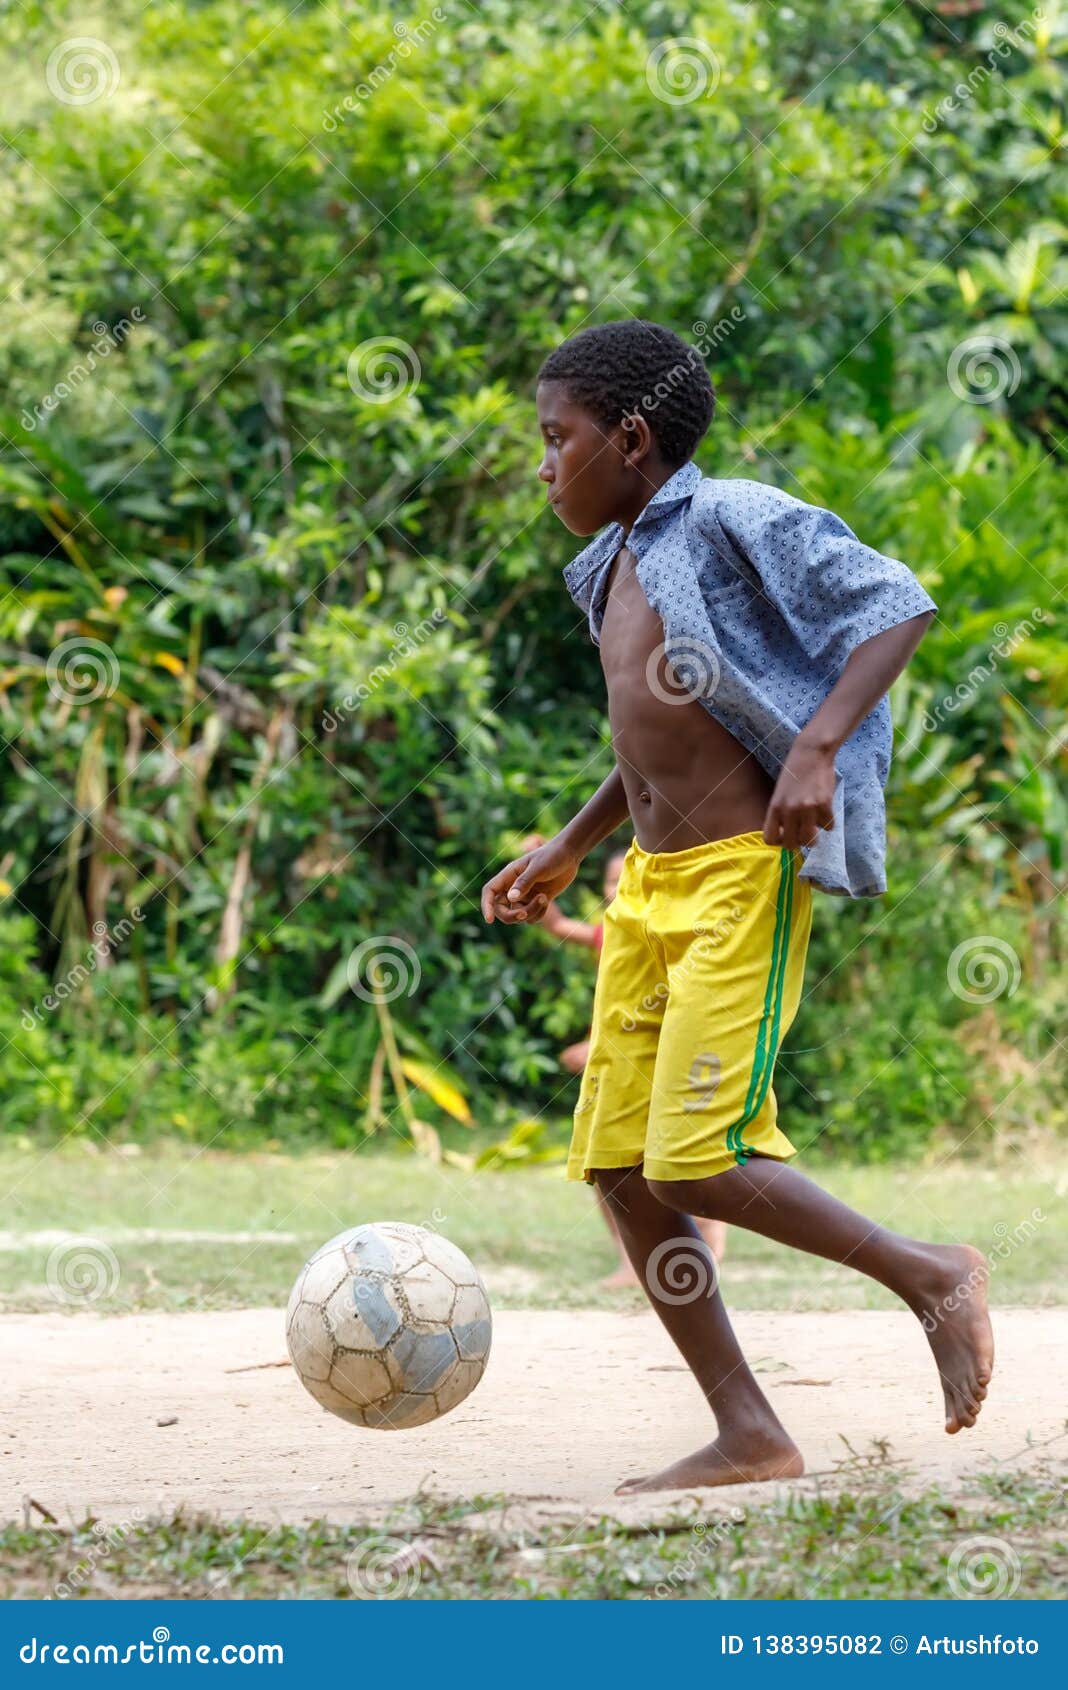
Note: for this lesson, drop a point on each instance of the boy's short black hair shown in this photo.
(613, 369)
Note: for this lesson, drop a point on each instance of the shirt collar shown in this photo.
(675, 490)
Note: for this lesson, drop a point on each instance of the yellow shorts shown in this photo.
(699, 978)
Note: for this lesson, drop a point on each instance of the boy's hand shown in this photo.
(801, 804)
(523, 890)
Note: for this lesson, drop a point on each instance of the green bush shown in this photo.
(337, 675)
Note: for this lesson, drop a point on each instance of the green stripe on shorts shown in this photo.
(767, 1044)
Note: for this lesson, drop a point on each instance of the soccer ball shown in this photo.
(388, 1325)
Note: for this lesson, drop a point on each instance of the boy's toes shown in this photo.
(955, 1411)
(962, 1409)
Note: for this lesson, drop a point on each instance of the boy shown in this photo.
(575, 1057)
(747, 641)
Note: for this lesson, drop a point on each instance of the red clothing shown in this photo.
(599, 940)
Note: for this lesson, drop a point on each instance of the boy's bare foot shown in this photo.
(953, 1312)
(729, 1461)
(623, 1276)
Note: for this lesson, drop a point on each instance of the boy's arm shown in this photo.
(832, 591)
(604, 812)
(802, 801)
(856, 613)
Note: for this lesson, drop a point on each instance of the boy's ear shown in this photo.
(637, 435)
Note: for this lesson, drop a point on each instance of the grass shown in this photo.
(538, 1239)
(864, 1540)
(541, 1243)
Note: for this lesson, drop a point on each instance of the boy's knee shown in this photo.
(692, 1196)
(668, 1192)
(620, 1187)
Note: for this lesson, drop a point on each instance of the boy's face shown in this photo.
(582, 466)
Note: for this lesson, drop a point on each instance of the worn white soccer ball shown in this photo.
(388, 1325)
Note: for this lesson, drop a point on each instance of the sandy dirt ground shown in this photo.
(570, 1404)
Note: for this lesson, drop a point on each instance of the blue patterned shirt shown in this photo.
(762, 598)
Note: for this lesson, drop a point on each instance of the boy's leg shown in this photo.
(943, 1284)
(713, 1144)
(713, 1232)
(628, 1009)
(624, 1274)
(679, 1274)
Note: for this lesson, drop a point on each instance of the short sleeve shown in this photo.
(832, 591)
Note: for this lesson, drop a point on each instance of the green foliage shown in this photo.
(329, 674)
(864, 1535)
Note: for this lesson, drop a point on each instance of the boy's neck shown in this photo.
(650, 479)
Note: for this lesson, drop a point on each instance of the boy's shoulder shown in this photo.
(739, 499)
(724, 510)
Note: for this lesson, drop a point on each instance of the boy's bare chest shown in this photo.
(662, 732)
(631, 630)
(642, 686)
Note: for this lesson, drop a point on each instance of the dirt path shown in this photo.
(570, 1404)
